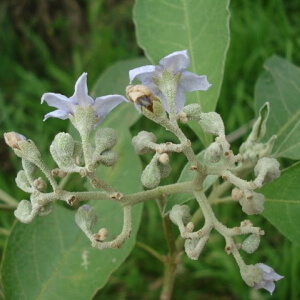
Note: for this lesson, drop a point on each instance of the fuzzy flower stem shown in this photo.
(125, 233)
(87, 151)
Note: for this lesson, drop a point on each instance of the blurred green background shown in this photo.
(46, 44)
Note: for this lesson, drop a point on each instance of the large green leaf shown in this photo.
(51, 258)
(282, 206)
(201, 27)
(280, 86)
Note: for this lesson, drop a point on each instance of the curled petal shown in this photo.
(59, 101)
(142, 73)
(192, 82)
(103, 105)
(176, 61)
(81, 96)
(60, 114)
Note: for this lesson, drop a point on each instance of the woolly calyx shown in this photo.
(268, 167)
(151, 175)
(180, 214)
(64, 144)
(144, 142)
(192, 111)
(251, 243)
(254, 204)
(251, 274)
(24, 212)
(212, 123)
(86, 218)
(108, 158)
(105, 139)
(213, 153)
(22, 182)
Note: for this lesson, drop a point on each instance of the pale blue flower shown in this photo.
(65, 106)
(268, 278)
(176, 64)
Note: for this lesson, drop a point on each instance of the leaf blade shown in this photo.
(280, 86)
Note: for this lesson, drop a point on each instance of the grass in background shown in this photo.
(46, 45)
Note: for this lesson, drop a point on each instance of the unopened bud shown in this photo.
(180, 213)
(141, 96)
(213, 152)
(143, 141)
(12, 139)
(251, 243)
(212, 123)
(163, 158)
(105, 139)
(151, 175)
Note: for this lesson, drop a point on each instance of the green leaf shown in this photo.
(188, 175)
(201, 27)
(51, 258)
(282, 206)
(280, 86)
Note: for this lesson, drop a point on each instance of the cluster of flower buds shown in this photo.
(161, 98)
(252, 149)
(159, 167)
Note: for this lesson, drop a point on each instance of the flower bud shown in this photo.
(105, 139)
(64, 144)
(163, 158)
(268, 166)
(46, 209)
(180, 213)
(86, 218)
(22, 182)
(251, 243)
(213, 153)
(212, 123)
(24, 212)
(40, 184)
(164, 170)
(12, 139)
(28, 151)
(151, 175)
(192, 111)
(143, 141)
(253, 205)
(141, 96)
(108, 158)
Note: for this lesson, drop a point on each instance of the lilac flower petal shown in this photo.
(176, 61)
(180, 99)
(142, 73)
(192, 82)
(103, 105)
(59, 101)
(81, 96)
(60, 114)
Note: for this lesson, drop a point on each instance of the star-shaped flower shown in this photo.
(174, 65)
(66, 106)
(268, 278)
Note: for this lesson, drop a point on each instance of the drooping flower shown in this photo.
(171, 68)
(66, 106)
(268, 278)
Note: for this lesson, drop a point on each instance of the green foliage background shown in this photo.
(45, 46)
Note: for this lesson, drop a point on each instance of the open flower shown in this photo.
(268, 278)
(172, 66)
(65, 106)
